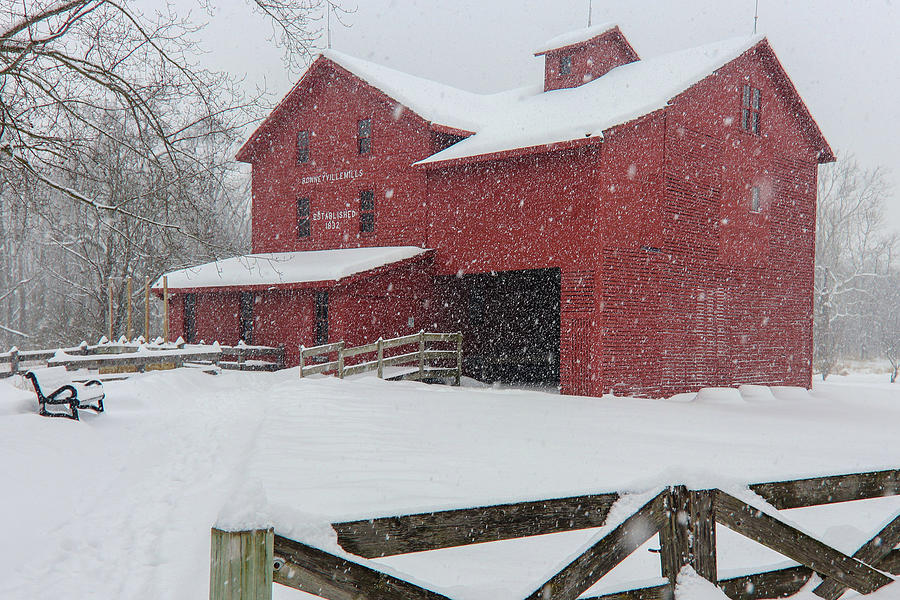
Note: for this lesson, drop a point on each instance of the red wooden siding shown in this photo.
(668, 281)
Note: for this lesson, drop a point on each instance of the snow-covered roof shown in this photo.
(574, 37)
(621, 95)
(280, 268)
(433, 101)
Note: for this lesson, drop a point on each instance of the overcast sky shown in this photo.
(843, 55)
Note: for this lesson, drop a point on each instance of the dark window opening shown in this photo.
(751, 105)
(364, 136)
(565, 65)
(321, 318)
(190, 318)
(303, 229)
(367, 211)
(755, 204)
(302, 147)
(247, 299)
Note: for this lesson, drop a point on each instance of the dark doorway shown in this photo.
(321, 318)
(513, 326)
(190, 318)
(247, 299)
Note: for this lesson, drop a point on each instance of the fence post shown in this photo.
(240, 358)
(421, 355)
(240, 564)
(688, 536)
(147, 309)
(340, 361)
(129, 331)
(302, 347)
(165, 309)
(459, 357)
(14, 360)
(380, 346)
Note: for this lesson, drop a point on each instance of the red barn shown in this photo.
(628, 226)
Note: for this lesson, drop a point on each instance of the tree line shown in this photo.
(116, 154)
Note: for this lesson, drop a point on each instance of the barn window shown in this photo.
(321, 318)
(364, 136)
(367, 211)
(751, 105)
(302, 147)
(565, 65)
(755, 204)
(303, 217)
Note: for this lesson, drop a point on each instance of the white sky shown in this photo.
(843, 56)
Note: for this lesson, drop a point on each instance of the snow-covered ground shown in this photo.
(119, 505)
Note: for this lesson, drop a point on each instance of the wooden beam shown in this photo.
(796, 545)
(689, 535)
(602, 557)
(828, 490)
(387, 536)
(240, 566)
(328, 576)
(891, 563)
(769, 584)
(871, 553)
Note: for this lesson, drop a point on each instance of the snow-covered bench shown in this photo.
(88, 395)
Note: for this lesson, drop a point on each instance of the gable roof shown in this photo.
(529, 119)
(433, 102)
(621, 95)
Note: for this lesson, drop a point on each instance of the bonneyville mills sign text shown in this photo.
(329, 177)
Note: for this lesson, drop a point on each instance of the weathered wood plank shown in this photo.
(770, 584)
(796, 545)
(689, 535)
(828, 490)
(387, 536)
(323, 349)
(322, 574)
(756, 586)
(401, 341)
(891, 563)
(364, 349)
(871, 553)
(441, 337)
(319, 368)
(602, 557)
(241, 565)
(400, 359)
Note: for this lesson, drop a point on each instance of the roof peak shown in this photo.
(577, 36)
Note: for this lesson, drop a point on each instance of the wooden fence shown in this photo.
(685, 520)
(426, 361)
(133, 357)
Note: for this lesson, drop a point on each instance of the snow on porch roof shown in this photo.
(285, 268)
(622, 95)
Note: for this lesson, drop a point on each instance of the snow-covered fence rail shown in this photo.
(137, 356)
(685, 520)
(426, 361)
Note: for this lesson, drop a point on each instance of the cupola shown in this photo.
(578, 57)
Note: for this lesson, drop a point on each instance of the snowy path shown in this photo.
(120, 504)
(113, 506)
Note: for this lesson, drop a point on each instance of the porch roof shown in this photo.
(314, 268)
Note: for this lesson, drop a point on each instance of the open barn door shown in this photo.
(512, 334)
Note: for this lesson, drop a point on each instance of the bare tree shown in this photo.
(853, 251)
(115, 150)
